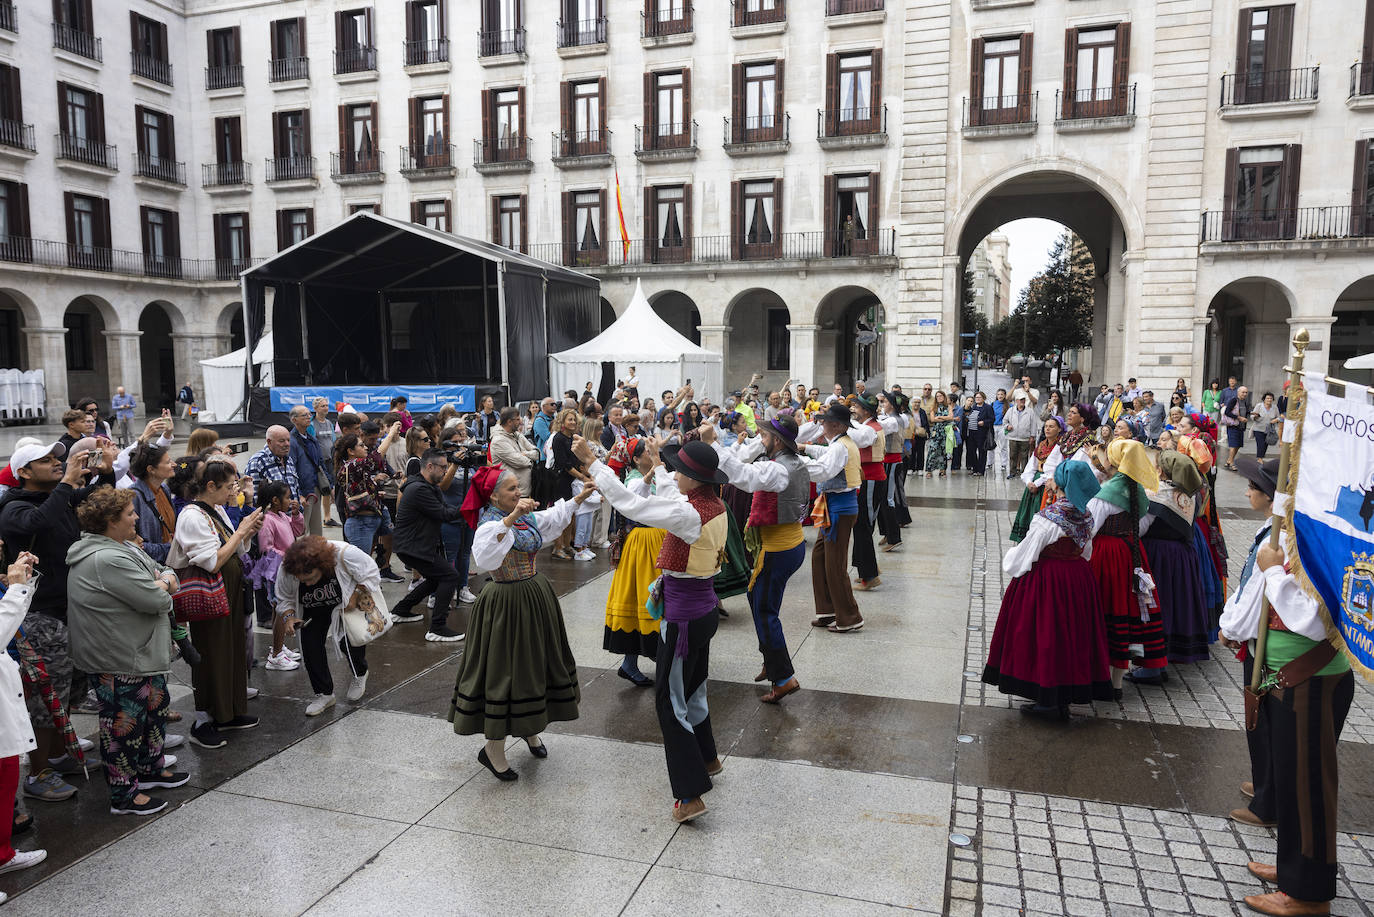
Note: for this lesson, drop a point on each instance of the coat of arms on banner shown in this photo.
(1357, 591)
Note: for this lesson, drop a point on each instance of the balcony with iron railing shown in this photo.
(1103, 108)
(750, 13)
(151, 68)
(581, 149)
(160, 169)
(426, 52)
(1001, 116)
(47, 254)
(666, 141)
(785, 248)
(360, 59)
(757, 135)
(225, 175)
(428, 160)
(82, 151)
(587, 34)
(288, 69)
(224, 76)
(293, 169)
(842, 128)
(16, 135)
(355, 167)
(502, 154)
(1362, 84)
(1269, 92)
(1301, 229)
(669, 25)
(500, 42)
(9, 19)
(83, 44)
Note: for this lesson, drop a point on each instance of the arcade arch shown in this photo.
(760, 340)
(1248, 332)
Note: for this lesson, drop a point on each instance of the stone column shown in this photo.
(1197, 377)
(1319, 349)
(803, 350)
(48, 352)
(126, 365)
(716, 338)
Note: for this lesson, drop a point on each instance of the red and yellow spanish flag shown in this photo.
(620, 212)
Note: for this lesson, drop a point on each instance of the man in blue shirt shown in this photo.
(543, 425)
(123, 406)
(311, 470)
(999, 453)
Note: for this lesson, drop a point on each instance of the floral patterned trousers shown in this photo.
(133, 719)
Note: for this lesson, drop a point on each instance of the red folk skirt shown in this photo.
(1127, 635)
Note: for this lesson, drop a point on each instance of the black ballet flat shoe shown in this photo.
(539, 751)
(506, 775)
(639, 678)
(1135, 678)
(1118, 694)
(1058, 714)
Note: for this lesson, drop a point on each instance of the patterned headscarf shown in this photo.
(1129, 457)
(1196, 450)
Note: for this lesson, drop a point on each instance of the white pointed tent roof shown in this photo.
(640, 334)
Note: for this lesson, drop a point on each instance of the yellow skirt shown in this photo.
(629, 629)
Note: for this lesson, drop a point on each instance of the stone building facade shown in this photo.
(991, 274)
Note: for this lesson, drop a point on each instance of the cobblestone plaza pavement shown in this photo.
(841, 800)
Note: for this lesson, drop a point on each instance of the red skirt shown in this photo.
(1127, 635)
(1050, 643)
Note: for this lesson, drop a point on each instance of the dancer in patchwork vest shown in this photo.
(696, 523)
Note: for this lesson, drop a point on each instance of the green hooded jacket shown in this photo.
(116, 611)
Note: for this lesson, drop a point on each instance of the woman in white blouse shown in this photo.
(205, 539)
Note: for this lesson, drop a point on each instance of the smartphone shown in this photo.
(689, 381)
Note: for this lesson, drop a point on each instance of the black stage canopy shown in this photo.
(378, 301)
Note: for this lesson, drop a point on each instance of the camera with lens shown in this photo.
(466, 455)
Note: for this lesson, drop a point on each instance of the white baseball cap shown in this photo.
(32, 452)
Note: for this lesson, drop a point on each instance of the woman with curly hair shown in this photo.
(118, 600)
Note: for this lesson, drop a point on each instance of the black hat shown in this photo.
(696, 460)
(1264, 475)
(838, 412)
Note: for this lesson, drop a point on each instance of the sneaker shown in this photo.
(584, 554)
(686, 811)
(429, 602)
(23, 859)
(151, 807)
(356, 687)
(67, 765)
(252, 692)
(168, 761)
(172, 740)
(330, 524)
(85, 744)
(442, 634)
(406, 617)
(207, 736)
(320, 704)
(290, 653)
(390, 576)
(238, 722)
(168, 780)
(48, 786)
(88, 704)
(414, 584)
(466, 596)
(281, 663)
(605, 545)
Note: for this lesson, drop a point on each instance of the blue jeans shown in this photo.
(359, 531)
(585, 524)
(458, 548)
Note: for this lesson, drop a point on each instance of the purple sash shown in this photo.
(684, 600)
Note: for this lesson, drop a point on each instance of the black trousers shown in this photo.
(1263, 805)
(1304, 724)
(977, 453)
(441, 581)
(917, 463)
(864, 557)
(680, 683)
(884, 516)
(315, 653)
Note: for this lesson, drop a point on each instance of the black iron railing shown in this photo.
(1257, 87)
(846, 122)
(76, 41)
(495, 42)
(356, 163)
(222, 174)
(283, 69)
(1305, 224)
(758, 12)
(1104, 102)
(783, 246)
(677, 135)
(225, 76)
(758, 129)
(17, 135)
(151, 68)
(573, 33)
(291, 168)
(355, 60)
(419, 157)
(48, 253)
(666, 21)
(150, 166)
(162, 266)
(9, 20)
(501, 149)
(568, 144)
(82, 149)
(1362, 79)
(991, 111)
(426, 51)
(843, 7)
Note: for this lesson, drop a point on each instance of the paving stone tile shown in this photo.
(1005, 895)
(1035, 845)
(1078, 870)
(1149, 847)
(1122, 874)
(1066, 851)
(997, 857)
(1199, 887)
(1166, 900)
(1034, 863)
(1196, 868)
(1039, 902)
(962, 870)
(1082, 888)
(1084, 907)
(1162, 881)
(1103, 823)
(966, 890)
(1125, 895)
(1069, 836)
(1188, 851)
(1040, 881)
(1000, 875)
(1182, 834)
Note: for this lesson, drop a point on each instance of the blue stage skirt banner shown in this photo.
(376, 399)
(1333, 513)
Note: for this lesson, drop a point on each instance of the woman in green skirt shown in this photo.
(1045, 457)
(517, 673)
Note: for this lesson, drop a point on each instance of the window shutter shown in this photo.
(169, 138)
(832, 94)
(58, 15)
(247, 239)
(1359, 216)
(20, 211)
(524, 223)
(343, 131)
(495, 220)
(217, 224)
(601, 110)
(416, 128)
(736, 219)
(565, 118)
(415, 211)
(300, 30)
(687, 223)
(875, 100)
(737, 109)
(1288, 188)
(1023, 86)
(339, 31)
(605, 241)
(566, 232)
(443, 24)
(650, 221)
(87, 17)
(98, 117)
(1278, 50)
(140, 141)
(777, 218)
(277, 144)
(1367, 49)
(739, 12)
(367, 20)
(133, 30)
(1066, 109)
(448, 213)
(1122, 90)
(828, 208)
(487, 130)
(976, 91)
(282, 223)
(376, 162)
(871, 234)
(145, 229)
(1242, 40)
(69, 206)
(1228, 200)
(305, 129)
(520, 140)
(62, 106)
(236, 140)
(310, 221)
(103, 222)
(272, 36)
(210, 49)
(686, 100)
(650, 105)
(443, 147)
(779, 111)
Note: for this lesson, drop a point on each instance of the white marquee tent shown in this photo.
(224, 381)
(663, 358)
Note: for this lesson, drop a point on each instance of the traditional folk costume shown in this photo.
(517, 673)
(1207, 542)
(1039, 470)
(630, 629)
(894, 460)
(736, 566)
(690, 558)
(1168, 541)
(1123, 575)
(835, 513)
(1293, 747)
(1050, 643)
(873, 508)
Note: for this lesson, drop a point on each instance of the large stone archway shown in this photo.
(157, 357)
(1352, 333)
(90, 324)
(678, 310)
(843, 352)
(1248, 332)
(760, 339)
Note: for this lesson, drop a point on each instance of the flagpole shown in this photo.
(1284, 486)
